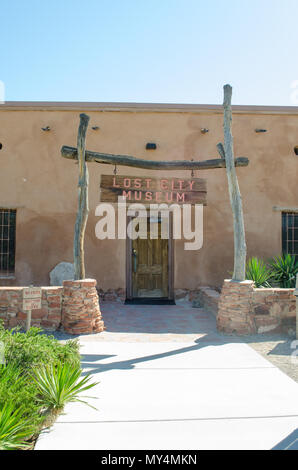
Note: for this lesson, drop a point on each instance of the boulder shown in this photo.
(62, 272)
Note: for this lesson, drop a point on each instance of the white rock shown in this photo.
(62, 272)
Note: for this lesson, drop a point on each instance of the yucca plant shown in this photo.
(257, 271)
(60, 384)
(284, 269)
(14, 428)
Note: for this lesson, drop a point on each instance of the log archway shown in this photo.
(226, 160)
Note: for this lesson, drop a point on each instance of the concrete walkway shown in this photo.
(193, 390)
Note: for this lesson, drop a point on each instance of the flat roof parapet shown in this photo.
(143, 107)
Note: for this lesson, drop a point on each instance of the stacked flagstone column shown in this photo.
(80, 309)
(234, 308)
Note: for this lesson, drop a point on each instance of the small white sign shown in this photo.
(31, 298)
(32, 293)
(31, 304)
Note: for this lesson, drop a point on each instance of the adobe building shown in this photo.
(38, 200)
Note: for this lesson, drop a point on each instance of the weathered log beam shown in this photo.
(234, 192)
(125, 160)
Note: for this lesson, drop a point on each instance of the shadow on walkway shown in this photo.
(89, 361)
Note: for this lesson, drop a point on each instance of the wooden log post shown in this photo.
(83, 205)
(234, 192)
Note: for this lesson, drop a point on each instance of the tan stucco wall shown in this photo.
(42, 185)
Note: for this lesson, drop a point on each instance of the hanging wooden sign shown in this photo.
(153, 190)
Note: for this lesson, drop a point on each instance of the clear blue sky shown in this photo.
(170, 51)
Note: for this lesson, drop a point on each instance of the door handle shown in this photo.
(134, 254)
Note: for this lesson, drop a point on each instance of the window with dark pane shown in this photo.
(7, 241)
(290, 233)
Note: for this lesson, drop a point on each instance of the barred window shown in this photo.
(7, 242)
(290, 233)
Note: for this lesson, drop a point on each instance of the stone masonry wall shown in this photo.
(207, 298)
(73, 307)
(274, 310)
(119, 295)
(234, 308)
(48, 317)
(80, 308)
(243, 309)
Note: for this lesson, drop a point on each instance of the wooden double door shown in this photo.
(150, 264)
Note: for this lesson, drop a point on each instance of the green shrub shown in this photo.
(60, 384)
(257, 271)
(17, 387)
(31, 349)
(23, 411)
(284, 269)
(14, 428)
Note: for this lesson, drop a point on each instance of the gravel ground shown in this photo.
(279, 350)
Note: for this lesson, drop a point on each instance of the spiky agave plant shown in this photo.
(60, 384)
(14, 428)
(284, 269)
(257, 271)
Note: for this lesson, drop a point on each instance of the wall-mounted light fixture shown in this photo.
(296, 150)
(95, 128)
(46, 129)
(204, 130)
(151, 146)
(259, 131)
(1, 145)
